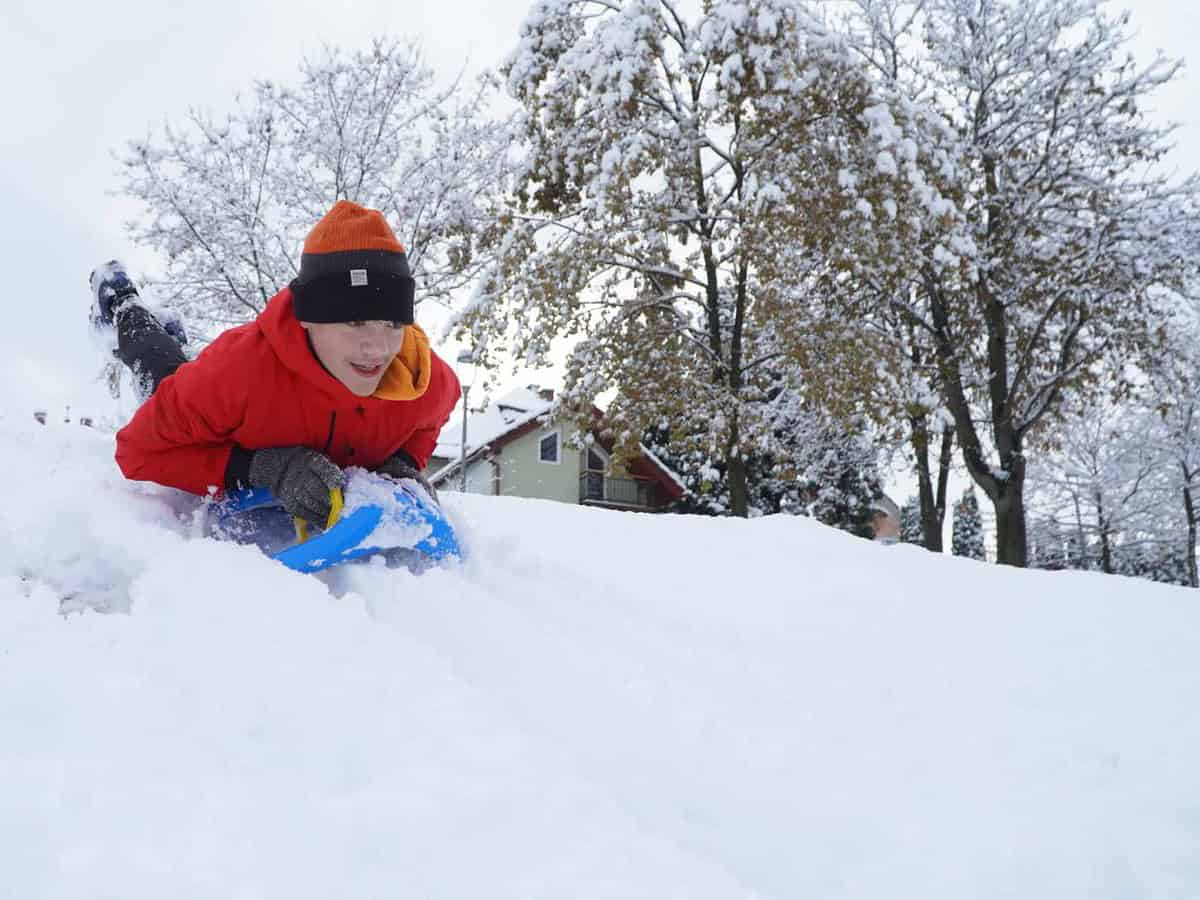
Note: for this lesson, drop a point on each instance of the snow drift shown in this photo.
(595, 704)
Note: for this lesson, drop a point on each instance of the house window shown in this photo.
(595, 462)
(548, 448)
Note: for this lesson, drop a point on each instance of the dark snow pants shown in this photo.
(146, 347)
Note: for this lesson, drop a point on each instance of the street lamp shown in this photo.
(466, 378)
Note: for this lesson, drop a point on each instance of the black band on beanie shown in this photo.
(354, 286)
(332, 298)
(385, 262)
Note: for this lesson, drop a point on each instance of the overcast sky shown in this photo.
(83, 78)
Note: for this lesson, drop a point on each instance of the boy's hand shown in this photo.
(401, 465)
(300, 479)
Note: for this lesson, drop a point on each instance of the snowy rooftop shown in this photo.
(498, 418)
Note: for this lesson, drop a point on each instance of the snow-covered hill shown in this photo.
(595, 705)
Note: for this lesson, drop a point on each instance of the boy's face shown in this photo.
(356, 353)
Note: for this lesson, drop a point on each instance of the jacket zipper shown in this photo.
(329, 440)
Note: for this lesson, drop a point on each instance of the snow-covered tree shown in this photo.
(1174, 439)
(1164, 563)
(1121, 479)
(1049, 547)
(911, 531)
(905, 391)
(1073, 235)
(1180, 451)
(842, 485)
(229, 199)
(820, 467)
(1102, 482)
(692, 175)
(967, 537)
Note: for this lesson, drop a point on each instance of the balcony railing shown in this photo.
(635, 493)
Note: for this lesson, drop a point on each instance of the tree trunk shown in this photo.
(1106, 562)
(1085, 554)
(945, 458)
(933, 502)
(931, 536)
(1012, 548)
(735, 471)
(1005, 489)
(738, 500)
(1189, 506)
(932, 516)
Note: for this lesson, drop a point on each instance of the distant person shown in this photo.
(885, 520)
(333, 373)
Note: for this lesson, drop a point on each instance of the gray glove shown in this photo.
(300, 479)
(401, 465)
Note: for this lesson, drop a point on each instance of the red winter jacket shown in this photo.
(260, 385)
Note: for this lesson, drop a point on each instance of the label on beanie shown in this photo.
(358, 277)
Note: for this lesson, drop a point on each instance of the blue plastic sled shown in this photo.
(254, 516)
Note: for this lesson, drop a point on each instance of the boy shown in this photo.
(332, 373)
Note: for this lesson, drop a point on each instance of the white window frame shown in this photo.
(558, 454)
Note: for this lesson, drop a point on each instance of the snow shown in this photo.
(401, 525)
(499, 417)
(595, 704)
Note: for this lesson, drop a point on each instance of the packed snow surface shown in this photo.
(594, 705)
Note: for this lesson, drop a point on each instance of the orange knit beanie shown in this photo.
(353, 270)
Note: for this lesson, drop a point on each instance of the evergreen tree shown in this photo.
(841, 496)
(707, 492)
(911, 531)
(1164, 563)
(967, 539)
(828, 472)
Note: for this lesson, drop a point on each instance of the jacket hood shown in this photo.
(407, 378)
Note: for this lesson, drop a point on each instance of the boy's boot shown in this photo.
(111, 287)
(151, 350)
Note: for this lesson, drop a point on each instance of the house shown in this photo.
(515, 449)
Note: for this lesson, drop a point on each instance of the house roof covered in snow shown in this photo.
(501, 416)
(511, 415)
